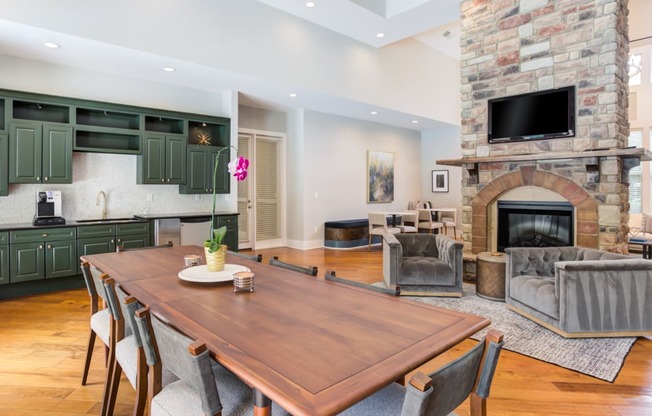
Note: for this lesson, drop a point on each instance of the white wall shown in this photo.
(335, 169)
(261, 119)
(114, 174)
(438, 144)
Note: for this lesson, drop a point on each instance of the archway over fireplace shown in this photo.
(586, 207)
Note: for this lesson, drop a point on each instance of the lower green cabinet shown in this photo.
(104, 238)
(231, 224)
(4, 161)
(132, 235)
(4, 258)
(45, 253)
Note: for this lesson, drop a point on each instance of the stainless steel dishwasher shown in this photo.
(195, 230)
(167, 229)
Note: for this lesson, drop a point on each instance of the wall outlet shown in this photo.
(316, 230)
(150, 197)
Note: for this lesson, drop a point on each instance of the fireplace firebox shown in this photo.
(534, 224)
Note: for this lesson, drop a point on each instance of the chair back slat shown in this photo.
(310, 271)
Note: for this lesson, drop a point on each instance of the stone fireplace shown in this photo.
(511, 47)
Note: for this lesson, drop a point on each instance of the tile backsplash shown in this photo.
(116, 176)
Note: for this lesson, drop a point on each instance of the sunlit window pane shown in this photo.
(635, 176)
(635, 65)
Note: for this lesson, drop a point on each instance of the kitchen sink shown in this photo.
(106, 220)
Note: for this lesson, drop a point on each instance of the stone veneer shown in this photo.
(517, 46)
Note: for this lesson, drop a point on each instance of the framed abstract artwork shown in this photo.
(439, 181)
(380, 176)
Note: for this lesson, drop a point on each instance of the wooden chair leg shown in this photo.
(106, 355)
(106, 395)
(478, 405)
(113, 389)
(141, 384)
(89, 355)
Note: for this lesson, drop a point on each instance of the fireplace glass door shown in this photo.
(534, 224)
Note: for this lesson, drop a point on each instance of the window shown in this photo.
(635, 66)
(636, 176)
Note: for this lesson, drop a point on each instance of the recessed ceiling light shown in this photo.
(51, 45)
(373, 113)
(380, 35)
(293, 94)
(415, 121)
(310, 4)
(169, 69)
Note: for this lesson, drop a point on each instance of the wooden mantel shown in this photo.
(634, 152)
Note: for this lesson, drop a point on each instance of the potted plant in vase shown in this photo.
(214, 250)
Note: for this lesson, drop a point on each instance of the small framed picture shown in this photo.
(439, 181)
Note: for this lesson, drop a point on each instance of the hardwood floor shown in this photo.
(43, 339)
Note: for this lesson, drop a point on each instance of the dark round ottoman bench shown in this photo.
(348, 233)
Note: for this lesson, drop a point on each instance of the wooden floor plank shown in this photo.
(43, 340)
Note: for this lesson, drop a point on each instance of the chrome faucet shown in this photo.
(102, 195)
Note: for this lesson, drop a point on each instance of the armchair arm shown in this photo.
(449, 251)
(604, 295)
(392, 258)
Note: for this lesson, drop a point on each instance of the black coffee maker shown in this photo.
(48, 208)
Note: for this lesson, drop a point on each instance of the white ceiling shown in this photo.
(424, 20)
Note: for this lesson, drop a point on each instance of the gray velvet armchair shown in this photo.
(580, 292)
(423, 264)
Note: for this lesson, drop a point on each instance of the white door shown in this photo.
(259, 197)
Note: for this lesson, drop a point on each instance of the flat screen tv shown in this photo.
(545, 114)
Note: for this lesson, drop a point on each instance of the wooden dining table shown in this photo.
(312, 346)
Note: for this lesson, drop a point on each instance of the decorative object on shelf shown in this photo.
(440, 181)
(243, 281)
(204, 139)
(380, 176)
(238, 168)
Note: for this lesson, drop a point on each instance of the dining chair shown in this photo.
(427, 223)
(378, 225)
(409, 222)
(120, 249)
(203, 387)
(449, 219)
(310, 270)
(257, 258)
(442, 391)
(331, 277)
(100, 320)
(124, 350)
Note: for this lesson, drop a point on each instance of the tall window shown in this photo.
(636, 176)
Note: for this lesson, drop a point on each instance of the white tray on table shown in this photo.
(202, 275)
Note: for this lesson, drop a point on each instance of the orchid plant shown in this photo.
(238, 168)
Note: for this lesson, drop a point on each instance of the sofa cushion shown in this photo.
(425, 271)
(537, 292)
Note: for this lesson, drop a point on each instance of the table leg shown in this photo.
(262, 405)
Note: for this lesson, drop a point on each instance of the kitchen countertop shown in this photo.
(182, 215)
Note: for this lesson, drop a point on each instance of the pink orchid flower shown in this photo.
(238, 167)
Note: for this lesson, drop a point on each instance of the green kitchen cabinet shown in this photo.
(163, 160)
(201, 164)
(4, 258)
(95, 239)
(133, 235)
(4, 161)
(40, 153)
(42, 254)
(231, 224)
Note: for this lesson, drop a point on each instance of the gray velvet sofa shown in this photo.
(423, 264)
(580, 292)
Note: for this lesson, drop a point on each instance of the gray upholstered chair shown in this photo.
(310, 270)
(441, 392)
(203, 387)
(580, 292)
(423, 264)
(394, 291)
(100, 320)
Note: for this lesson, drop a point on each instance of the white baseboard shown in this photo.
(304, 244)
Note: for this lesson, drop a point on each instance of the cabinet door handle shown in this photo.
(40, 246)
(45, 235)
(168, 179)
(112, 241)
(49, 246)
(38, 178)
(119, 240)
(162, 179)
(45, 179)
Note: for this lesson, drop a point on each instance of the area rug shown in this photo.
(598, 357)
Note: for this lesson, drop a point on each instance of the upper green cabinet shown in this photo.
(4, 161)
(163, 160)
(201, 165)
(40, 153)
